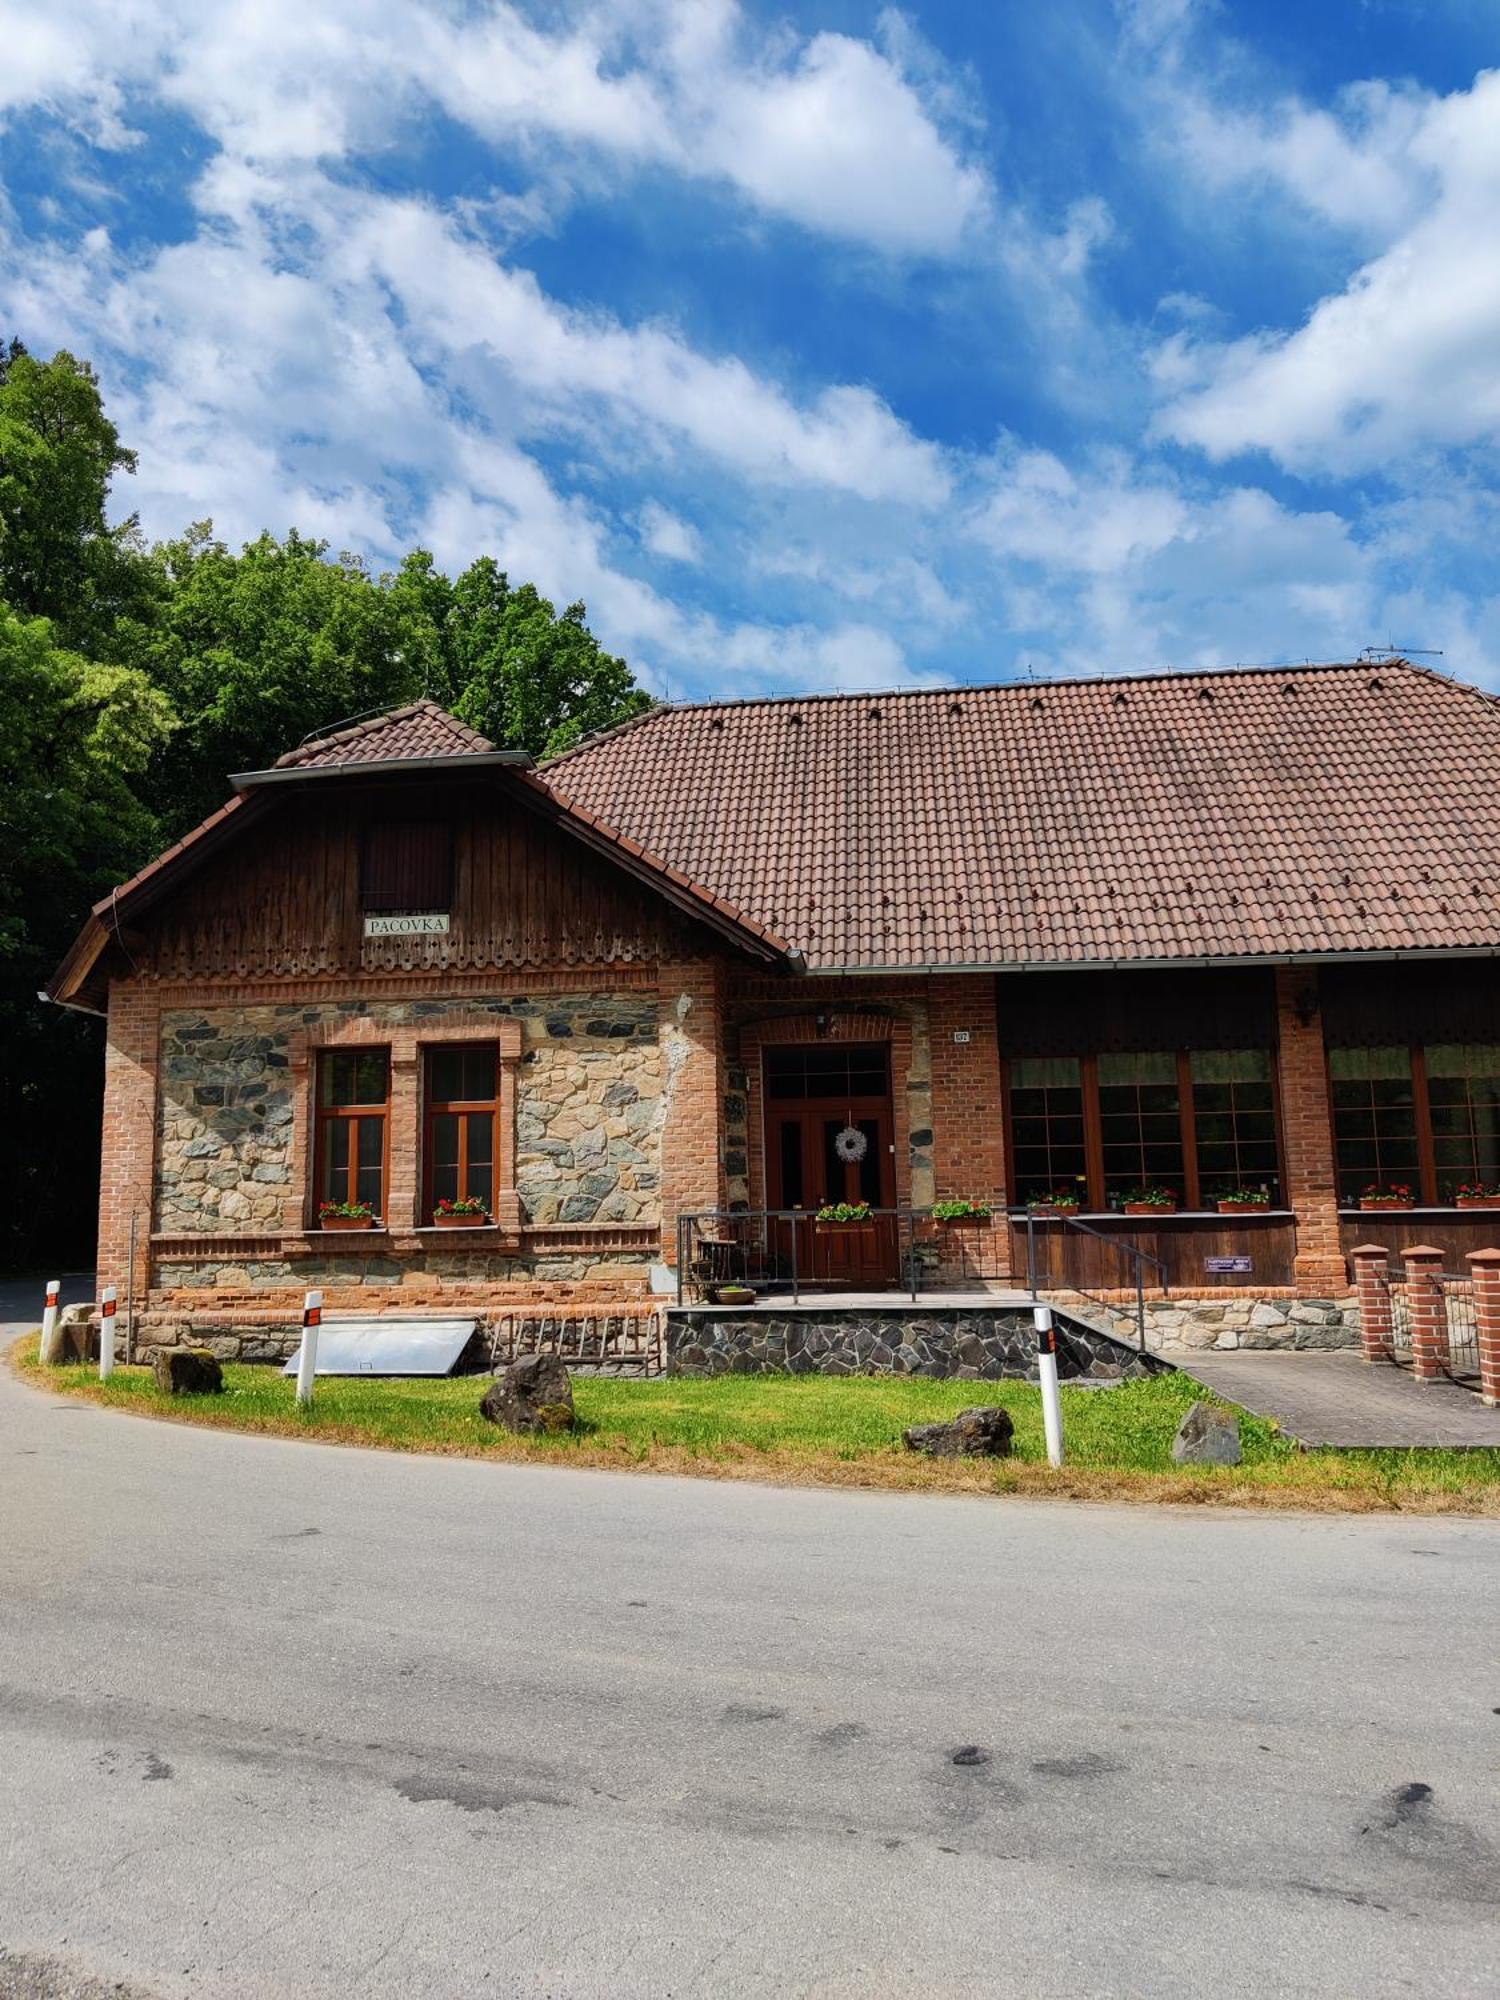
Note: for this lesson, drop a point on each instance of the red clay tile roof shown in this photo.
(421, 729)
(1253, 812)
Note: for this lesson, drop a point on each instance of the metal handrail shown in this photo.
(688, 1224)
(1138, 1258)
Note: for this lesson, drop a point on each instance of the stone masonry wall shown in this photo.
(1241, 1321)
(969, 1343)
(588, 1113)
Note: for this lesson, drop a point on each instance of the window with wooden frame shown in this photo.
(1047, 1149)
(1201, 1123)
(1234, 1121)
(405, 866)
(1421, 1116)
(1141, 1142)
(462, 1099)
(353, 1126)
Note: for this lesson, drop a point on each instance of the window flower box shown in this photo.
(843, 1215)
(1475, 1194)
(1243, 1201)
(460, 1215)
(954, 1214)
(1395, 1195)
(1065, 1202)
(344, 1215)
(1151, 1201)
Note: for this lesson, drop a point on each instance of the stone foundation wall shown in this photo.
(965, 1344)
(1240, 1321)
(422, 1275)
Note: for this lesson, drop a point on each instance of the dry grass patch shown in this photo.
(818, 1430)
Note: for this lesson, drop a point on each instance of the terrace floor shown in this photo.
(1339, 1399)
(892, 1299)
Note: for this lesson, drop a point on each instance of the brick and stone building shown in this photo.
(1201, 932)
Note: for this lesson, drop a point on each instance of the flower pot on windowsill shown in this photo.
(479, 1221)
(1227, 1207)
(1149, 1208)
(343, 1222)
(1043, 1209)
(1476, 1201)
(1377, 1203)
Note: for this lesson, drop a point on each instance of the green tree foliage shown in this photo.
(75, 736)
(59, 557)
(260, 648)
(503, 660)
(256, 650)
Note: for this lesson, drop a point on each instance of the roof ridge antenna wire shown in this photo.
(363, 715)
(1384, 655)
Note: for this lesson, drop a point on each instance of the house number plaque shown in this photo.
(434, 923)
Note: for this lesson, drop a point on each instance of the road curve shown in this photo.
(279, 1718)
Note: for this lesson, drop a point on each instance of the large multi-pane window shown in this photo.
(1463, 1101)
(1140, 1123)
(1427, 1118)
(1046, 1125)
(1202, 1124)
(354, 1091)
(462, 1113)
(1374, 1119)
(1234, 1119)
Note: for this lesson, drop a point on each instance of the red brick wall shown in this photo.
(128, 1138)
(692, 1139)
(1307, 1134)
(968, 1124)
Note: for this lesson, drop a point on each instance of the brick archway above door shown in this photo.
(823, 1027)
(782, 1031)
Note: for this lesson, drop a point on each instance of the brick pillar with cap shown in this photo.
(1307, 1135)
(1372, 1281)
(1485, 1265)
(1427, 1309)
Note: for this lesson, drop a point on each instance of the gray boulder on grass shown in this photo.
(1207, 1436)
(984, 1432)
(534, 1395)
(188, 1371)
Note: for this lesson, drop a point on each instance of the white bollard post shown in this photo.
(47, 1352)
(107, 1333)
(307, 1356)
(1046, 1368)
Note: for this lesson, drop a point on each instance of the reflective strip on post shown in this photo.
(107, 1306)
(307, 1354)
(1046, 1368)
(47, 1352)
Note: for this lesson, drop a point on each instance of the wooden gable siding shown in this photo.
(284, 901)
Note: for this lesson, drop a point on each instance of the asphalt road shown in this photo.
(286, 1719)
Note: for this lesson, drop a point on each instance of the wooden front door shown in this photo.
(813, 1093)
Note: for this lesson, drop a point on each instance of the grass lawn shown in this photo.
(812, 1429)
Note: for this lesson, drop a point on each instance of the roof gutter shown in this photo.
(1198, 962)
(375, 767)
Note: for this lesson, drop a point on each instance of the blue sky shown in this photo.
(828, 345)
